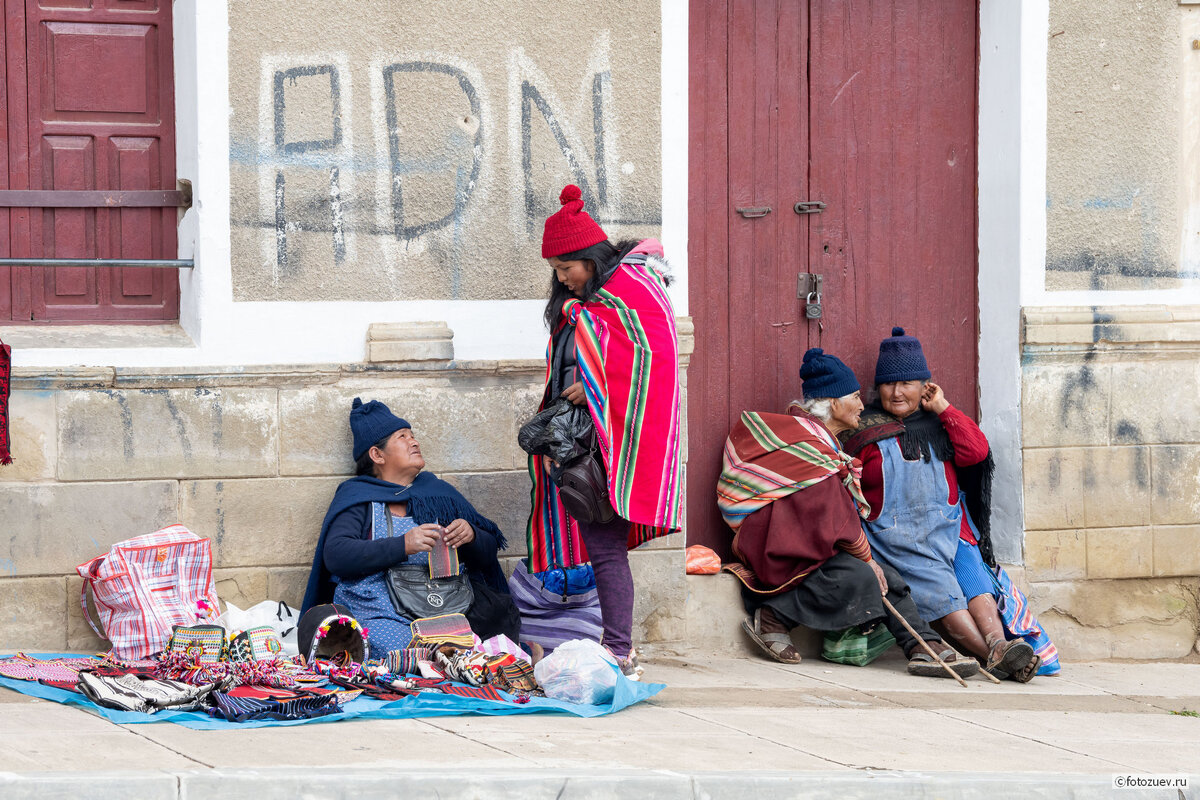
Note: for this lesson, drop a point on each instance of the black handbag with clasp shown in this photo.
(416, 595)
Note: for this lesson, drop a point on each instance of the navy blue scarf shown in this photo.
(429, 499)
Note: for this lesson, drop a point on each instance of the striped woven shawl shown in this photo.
(627, 358)
(769, 456)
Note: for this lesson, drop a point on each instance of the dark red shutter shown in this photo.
(101, 116)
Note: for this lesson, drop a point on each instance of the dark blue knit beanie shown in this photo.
(826, 376)
(370, 422)
(901, 359)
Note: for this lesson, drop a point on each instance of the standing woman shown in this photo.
(612, 349)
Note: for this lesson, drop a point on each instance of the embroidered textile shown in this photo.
(242, 709)
(406, 661)
(1019, 621)
(550, 618)
(450, 629)
(627, 359)
(147, 695)
(769, 456)
(22, 667)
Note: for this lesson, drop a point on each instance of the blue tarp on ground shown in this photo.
(423, 705)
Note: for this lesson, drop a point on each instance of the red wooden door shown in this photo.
(97, 113)
(893, 157)
(869, 107)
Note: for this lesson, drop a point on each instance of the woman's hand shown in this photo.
(879, 576)
(932, 398)
(459, 532)
(422, 538)
(575, 394)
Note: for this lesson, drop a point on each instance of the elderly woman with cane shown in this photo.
(927, 471)
(793, 499)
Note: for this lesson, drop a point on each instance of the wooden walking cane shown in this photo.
(891, 608)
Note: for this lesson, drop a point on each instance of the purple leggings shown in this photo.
(608, 547)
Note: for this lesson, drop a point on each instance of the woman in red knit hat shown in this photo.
(613, 350)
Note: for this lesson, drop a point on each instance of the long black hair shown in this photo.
(604, 256)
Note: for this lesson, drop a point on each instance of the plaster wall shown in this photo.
(383, 153)
(1116, 72)
(250, 459)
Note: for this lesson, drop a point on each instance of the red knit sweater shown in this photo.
(970, 447)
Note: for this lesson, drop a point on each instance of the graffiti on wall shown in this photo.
(413, 186)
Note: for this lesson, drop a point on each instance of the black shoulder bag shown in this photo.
(416, 595)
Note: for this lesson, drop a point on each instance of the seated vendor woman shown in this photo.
(793, 499)
(925, 463)
(393, 513)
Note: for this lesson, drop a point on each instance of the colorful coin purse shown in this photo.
(256, 644)
(202, 644)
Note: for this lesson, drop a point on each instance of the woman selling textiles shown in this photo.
(793, 498)
(925, 463)
(357, 545)
(612, 349)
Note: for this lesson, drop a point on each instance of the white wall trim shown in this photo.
(1012, 233)
(675, 130)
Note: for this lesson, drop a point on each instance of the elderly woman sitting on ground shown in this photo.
(927, 474)
(392, 513)
(793, 499)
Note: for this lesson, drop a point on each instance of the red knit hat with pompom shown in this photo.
(570, 228)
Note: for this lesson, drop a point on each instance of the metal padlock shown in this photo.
(812, 308)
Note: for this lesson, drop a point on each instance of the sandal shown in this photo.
(1013, 658)
(776, 645)
(1025, 674)
(921, 664)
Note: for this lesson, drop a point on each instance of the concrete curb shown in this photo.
(364, 784)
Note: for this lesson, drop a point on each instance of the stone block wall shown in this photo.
(250, 458)
(1111, 425)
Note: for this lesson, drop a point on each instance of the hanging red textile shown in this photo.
(5, 382)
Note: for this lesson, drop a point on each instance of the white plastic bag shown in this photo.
(274, 614)
(578, 671)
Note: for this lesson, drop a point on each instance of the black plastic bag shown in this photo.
(562, 430)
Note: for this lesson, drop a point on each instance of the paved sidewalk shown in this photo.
(736, 727)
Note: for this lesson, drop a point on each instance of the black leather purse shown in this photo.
(416, 595)
(583, 488)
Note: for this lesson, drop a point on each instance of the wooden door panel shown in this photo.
(748, 151)
(6, 277)
(104, 76)
(136, 163)
(67, 162)
(708, 248)
(99, 73)
(18, 289)
(893, 156)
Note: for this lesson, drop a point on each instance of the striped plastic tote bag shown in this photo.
(146, 585)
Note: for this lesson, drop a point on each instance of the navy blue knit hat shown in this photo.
(901, 359)
(370, 422)
(826, 376)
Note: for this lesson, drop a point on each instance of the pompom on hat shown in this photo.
(370, 422)
(826, 376)
(901, 359)
(570, 228)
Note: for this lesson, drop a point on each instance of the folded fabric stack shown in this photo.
(406, 661)
(511, 674)
(464, 666)
(451, 629)
(297, 705)
(147, 695)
